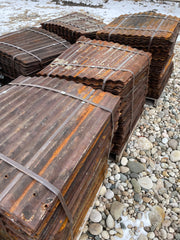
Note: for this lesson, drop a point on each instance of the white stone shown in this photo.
(124, 169)
(84, 237)
(102, 191)
(165, 140)
(105, 235)
(109, 194)
(145, 182)
(151, 235)
(144, 143)
(124, 161)
(95, 228)
(175, 156)
(95, 216)
(110, 222)
(116, 209)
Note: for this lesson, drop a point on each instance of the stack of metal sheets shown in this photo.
(74, 25)
(27, 51)
(111, 67)
(148, 31)
(54, 143)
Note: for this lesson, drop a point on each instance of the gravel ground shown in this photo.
(140, 196)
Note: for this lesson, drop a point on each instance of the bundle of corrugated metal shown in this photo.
(148, 31)
(54, 142)
(74, 25)
(115, 68)
(28, 51)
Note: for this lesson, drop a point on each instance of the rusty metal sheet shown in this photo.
(62, 131)
(27, 51)
(115, 68)
(148, 31)
(74, 25)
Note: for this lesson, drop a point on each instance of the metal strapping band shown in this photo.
(44, 34)
(140, 29)
(21, 49)
(118, 48)
(154, 16)
(41, 180)
(72, 53)
(63, 93)
(157, 29)
(37, 49)
(109, 35)
(84, 65)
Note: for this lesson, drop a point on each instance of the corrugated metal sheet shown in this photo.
(28, 51)
(115, 68)
(74, 25)
(148, 31)
(48, 129)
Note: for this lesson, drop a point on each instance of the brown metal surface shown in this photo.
(28, 51)
(74, 25)
(61, 138)
(115, 68)
(148, 31)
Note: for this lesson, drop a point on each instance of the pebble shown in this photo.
(124, 169)
(116, 209)
(105, 234)
(84, 237)
(102, 191)
(173, 144)
(109, 194)
(151, 235)
(142, 237)
(136, 167)
(156, 216)
(95, 228)
(145, 182)
(175, 156)
(136, 185)
(110, 222)
(144, 144)
(124, 161)
(95, 216)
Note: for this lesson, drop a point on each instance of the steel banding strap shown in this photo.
(118, 48)
(21, 49)
(84, 65)
(155, 16)
(157, 29)
(41, 180)
(140, 29)
(37, 49)
(63, 93)
(73, 53)
(44, 34)
(109, 35)
(43, 147)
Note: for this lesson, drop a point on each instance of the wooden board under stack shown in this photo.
(61, 131)
(27, 51)
(148, 31)
(74, 25)
(114, 68)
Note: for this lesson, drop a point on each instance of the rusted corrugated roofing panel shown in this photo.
(28, 51)
(74, 25)
(148, 31)
(61, 131)
(114, 68)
